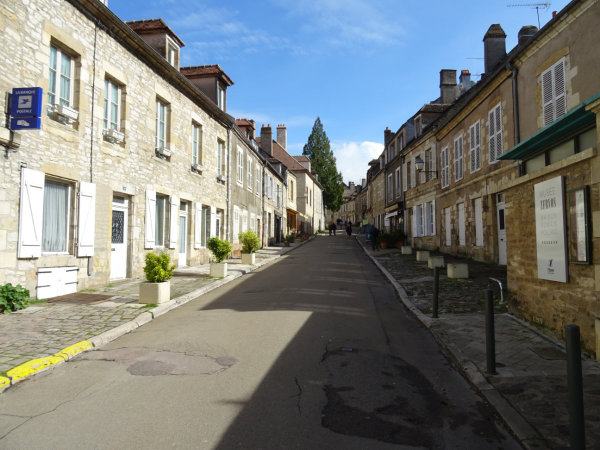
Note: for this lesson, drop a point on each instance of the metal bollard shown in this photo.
(436, 288)
(490, 339)
(575, 386)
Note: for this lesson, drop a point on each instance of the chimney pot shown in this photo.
(282, 136)
(494, 47)
(448, 90)
(526, 33)
(266, 139)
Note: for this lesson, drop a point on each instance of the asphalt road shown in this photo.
(314, 351)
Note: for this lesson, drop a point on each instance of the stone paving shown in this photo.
(531, 367)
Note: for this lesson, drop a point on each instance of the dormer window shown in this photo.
(172, 52)
(418, 126)
(221, 97)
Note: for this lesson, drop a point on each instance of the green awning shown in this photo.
(566, 126)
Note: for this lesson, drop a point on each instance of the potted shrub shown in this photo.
(398, 238)
(158, 270)
(385, 240)
(220, 250)
(250, 244)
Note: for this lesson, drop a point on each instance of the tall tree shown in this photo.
(323, 163)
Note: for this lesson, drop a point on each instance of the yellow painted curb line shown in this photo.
(36, 365)
(74, 349)
(4, 382)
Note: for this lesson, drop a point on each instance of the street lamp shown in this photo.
(420, 165)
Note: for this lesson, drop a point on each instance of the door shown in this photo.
(501, 229)
(118, 254)
(183, 216)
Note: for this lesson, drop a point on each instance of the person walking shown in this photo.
(349, 230)
(375, 238)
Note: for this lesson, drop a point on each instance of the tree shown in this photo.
(323, 164)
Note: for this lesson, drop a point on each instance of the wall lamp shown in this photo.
(420, 165)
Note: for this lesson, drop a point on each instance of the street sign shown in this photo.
(26, 102)
(25, 123)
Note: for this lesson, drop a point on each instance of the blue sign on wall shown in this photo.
(26, 102)
(25, 123)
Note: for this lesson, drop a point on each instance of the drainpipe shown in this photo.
(515, 93)
(90, 264)
(228, 195)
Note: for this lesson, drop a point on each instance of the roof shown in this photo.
(207, 71)
(151, 26)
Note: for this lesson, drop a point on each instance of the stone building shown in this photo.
(131, 155)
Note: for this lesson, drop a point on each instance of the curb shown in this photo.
(30, 368)
(528, 436)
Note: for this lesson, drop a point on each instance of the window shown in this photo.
(159, 224)
(240, 166)
(418, 215)
(554, 92)
(390, 187)
(206, 225)
(221, 97)
(429, 165)
(112, 106)
(445, 161)
(430, 218)
(397, 184)
(220, 158)
(291, 191)
(401, 142)
(60, 78)
(475, 146)
(236, 223)
(392, 151)
(250, 171)
(404, 177)
(161, 124)
(278, 197)
(495, 135)
(461, 225)
(257, 179)
(196, 144)
(244, 221)
(55, 225)
(418, 126)
(458, 158)
(478, 208)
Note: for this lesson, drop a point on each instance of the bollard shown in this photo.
(490, 339)
(575, 386)
(436, 288)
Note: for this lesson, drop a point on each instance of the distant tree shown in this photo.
(322, 162)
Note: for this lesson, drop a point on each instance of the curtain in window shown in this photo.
(160, 221)
(54, 226)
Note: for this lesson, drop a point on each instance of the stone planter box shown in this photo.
(249, 258)
(218, 270)
(155, 292)
(423, 255)
(458, 270)
(435, 261)
(406, 250)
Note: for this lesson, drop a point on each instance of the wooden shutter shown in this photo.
(498, 144)
(213, 222)
(478, 145)
(31, 213)
(404, 178)
(150, 238)
(173, 221)
(198, 225)
(87, 219)
(560, 89)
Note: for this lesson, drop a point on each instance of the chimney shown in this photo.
(526, 33)
(266, 139)
(494, 47)
(252, 128)
(282, 136)
(448, 86)
(386, 135)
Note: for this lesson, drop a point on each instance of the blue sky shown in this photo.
(359, 65)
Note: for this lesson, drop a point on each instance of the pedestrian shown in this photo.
(374, 238)
(368, 232)
(349, 230)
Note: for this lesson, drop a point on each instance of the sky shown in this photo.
(359, 65)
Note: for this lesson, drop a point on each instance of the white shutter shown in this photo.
(478, 145)
(198, 225)
(433, 217)
(87, 219)
(213, 222)
(173, 222)
(498, 131)
(413, 179)
(560, 89)
(547, 97)
(492, 135)
(404, 176)
(149, 238)
(31, 213)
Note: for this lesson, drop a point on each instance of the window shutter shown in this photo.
(404, 183)
(547, 97)
(434, 232)
(213, 222)
(149, 238)
(433, 163)
(414, 222)
(478, 145)
(31, 213)
(498, 127)
(87, 219)
(492, 135)
(198, 225)
(560, 89)
(413, 178)
(174, 217)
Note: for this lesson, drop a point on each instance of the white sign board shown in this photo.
(550, 230)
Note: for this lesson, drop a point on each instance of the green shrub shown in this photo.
(158, 268)
(250, 241)
(220, 249)
(13, 298)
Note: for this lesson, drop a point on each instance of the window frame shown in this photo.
(445, 161)
(240, 166)
(161, 124)
(55, 90)
(459, 169)
(69, 217)
(554, 104)
(249, 173)
(220, 157)
(196, 143)
(475, 146)
(107, 123)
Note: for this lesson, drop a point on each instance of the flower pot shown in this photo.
(383, 244)
(248, 258)
(155, 292)
(218, 270)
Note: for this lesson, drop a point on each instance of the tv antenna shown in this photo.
(537, 7)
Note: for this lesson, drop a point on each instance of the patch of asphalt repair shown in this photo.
(151, 362)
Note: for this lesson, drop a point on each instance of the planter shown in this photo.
(383, 244)
(248, 258)
(155, 292)
(218, 270)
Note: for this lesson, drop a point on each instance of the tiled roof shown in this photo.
(206, 71)
(281, 155)
(152, 26)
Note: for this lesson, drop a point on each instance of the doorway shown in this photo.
(183, 219)
(118, 254)
(501, 229)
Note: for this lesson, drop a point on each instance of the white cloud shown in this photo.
(353, 158)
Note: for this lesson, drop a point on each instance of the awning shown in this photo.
(578, 119)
